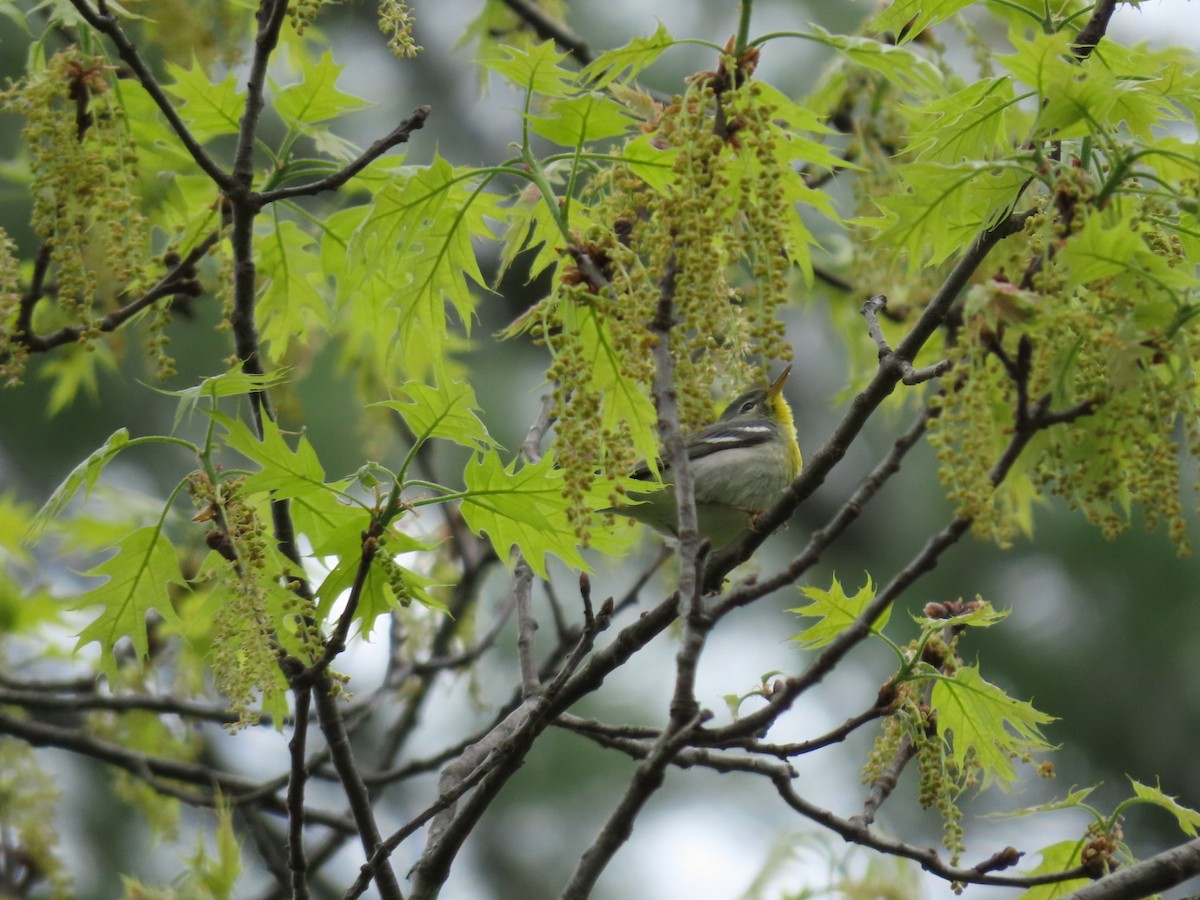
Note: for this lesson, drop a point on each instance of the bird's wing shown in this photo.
(719, 436)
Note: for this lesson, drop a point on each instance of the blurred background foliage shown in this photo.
(1102, 634)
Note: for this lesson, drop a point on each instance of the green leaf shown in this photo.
(574, 121)
(1097, 252)
(234, 383)
(446, 412)
(379, 595)
(976, 717)
(521, 506)
(73, 369)
(83, 475)
(1074, 800)
(626, 62)
(624, 401)
(898, 65)
(836, 613)
(411, 255)
(137, 579)
(653, 164)
(976, 122)
(1188, 819)
(944, 207)
(316, 97)
(984, 616)
(1057, 858)
(210, 108)
(285, 472)
(537, 69)
(292, 303)
(908, 18)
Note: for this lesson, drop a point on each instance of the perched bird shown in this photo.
(740, 465)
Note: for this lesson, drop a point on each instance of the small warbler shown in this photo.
(740, 465)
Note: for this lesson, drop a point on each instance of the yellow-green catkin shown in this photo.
(716, 241)
(1115, 344)
(86, 202)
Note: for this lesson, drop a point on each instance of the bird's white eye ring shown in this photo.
(748, 406)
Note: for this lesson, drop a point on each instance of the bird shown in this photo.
(740, 465)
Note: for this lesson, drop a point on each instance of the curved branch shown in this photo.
(398, 135)
(1158, 873)
(549, 30)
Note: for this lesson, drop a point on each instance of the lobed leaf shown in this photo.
(836, 612)
(976, 718)
(137, 579)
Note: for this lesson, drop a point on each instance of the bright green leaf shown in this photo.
(209, 108)
(316, 97)
(908, 18)
(285, 472)
(137, 579)
(537, 69)
(1057, 858)
(836, 613)
(83, 476)
(976, 717)
(626, 62)
(448, 411)
(234, 383)
(574, 121)
(1188, 819)
(292, 301)
(897, 64)
(521, 506)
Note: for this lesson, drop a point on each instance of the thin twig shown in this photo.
(234, 789)
(908, 374)
(549, 30)
(647, 778)
(178, 279)
(398, 135)
(926, 856)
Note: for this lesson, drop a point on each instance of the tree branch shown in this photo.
(1158, 873)
(398, 135)
(647, 779)
(549, 30)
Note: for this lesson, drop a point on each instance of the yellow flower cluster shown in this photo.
(85, 187)
(715, 241)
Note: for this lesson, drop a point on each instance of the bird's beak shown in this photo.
(777, 385)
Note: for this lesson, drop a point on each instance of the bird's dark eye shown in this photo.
(748, 406)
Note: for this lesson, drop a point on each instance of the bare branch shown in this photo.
(297, 862)
(526, 626)
(909, 375)
(927, 857)
(1158, 873)
(1091, 33)
(160, 771)
(342, 755)
(179, 279)
(647, 779)
(398, 135)
(549, 30)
